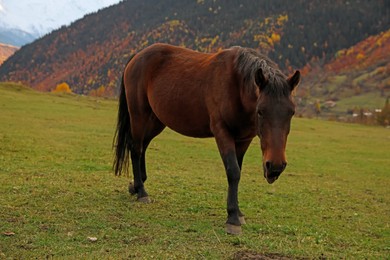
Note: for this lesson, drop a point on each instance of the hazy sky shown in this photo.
(42, 16)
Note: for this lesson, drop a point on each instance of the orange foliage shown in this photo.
(363, 54)
(62, 88)
(275, 37)
(360, 56)
(268, 32)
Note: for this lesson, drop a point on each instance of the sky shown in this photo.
(42, 16)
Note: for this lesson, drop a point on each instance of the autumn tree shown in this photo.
(62, 88)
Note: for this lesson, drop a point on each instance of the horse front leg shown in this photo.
(241, 148)
(227, 149)
(233, 173)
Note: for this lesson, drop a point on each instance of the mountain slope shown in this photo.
(92, 52)
(361, 73)
(6, 51)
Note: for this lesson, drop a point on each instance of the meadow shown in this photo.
(60, 199)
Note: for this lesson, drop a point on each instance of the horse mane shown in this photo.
(248, 62)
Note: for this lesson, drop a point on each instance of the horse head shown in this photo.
(275, 109)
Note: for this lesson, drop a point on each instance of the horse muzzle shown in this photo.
(272, 171)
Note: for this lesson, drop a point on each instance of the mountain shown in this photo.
(91, 53)
(356, 78)
(15, 37)
(6, 51)
(39, 17)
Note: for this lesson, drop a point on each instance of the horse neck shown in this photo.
(249, 99)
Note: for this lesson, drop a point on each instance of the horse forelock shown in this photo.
(248, 62)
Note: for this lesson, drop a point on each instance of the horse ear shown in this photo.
(294, 79)
(260, 79)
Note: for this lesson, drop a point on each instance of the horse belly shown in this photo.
(182, 110)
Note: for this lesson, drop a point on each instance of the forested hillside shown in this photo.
(356, 80)
(90, 54)
(6, 51)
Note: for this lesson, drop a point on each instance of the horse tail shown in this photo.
(122, 139)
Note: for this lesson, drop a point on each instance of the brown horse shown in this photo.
(232, 95)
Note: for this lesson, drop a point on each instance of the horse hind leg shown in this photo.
(142, 196)
(141, 169)
(137, 187)
(152, 127)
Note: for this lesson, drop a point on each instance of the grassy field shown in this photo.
(59, 198)
(370, 101)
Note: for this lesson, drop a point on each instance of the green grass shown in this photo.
(57, 189)
(367, 100)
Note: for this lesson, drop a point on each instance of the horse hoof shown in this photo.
(233, 229)
(131, 189)
(242, 220)
(144, 200)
